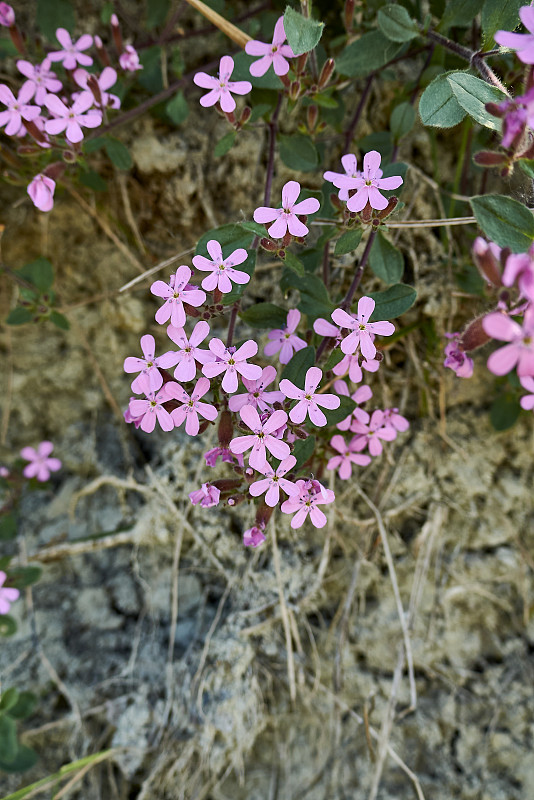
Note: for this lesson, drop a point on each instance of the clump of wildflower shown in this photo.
(221, 87)
(274, 54)
(41, 465)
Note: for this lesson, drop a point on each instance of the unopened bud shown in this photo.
(311, 117)
(336, 202)
(217, 295)
(28, 150)
(286, 239)
(226, 484)
(236, 499)
(245, 116)
(191, 311)
(366, 213)
(326, 72)
(486, 158)
(263, 515)
(268, 245)
(102, 52)
(34, 131)
(349, 14)
(226, 430)
(94, 88)
(230, 116)
(391, 206)
(474, 335)
(294, 90)
(495, 110)
(69, 157)
(285, 80)
(55, 170)
(486, 257)
(301, 63)
(116, 33)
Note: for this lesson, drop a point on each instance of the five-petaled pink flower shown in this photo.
(346, 458)
(350, 165)
(176, 293)
(221, 87)
(41, 191)
(368, 184)
(274, 53)
(378, 428)
(147, 411)
(285, 339)
(311, 494)
(254, 536)
(520, 351)
(149, 365)
(231, 362)
(286, 217)
(274, 481)
(7, 15)
(129, 59)
(361, 395)
(527, 401)
(353, 364)
(363, 331)
(256, 395)
(309, 401)
(189, 351)
(191, 407)
(207, 496)
(522, 42)
(106, 79)
(222, 270)
(17, 108)
(392, 417)
(72, 54)
(72, 120)
(40, 78)
(8, 595)
(41, 465)
(263, 437)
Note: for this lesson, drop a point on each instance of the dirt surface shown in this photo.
(155, 633)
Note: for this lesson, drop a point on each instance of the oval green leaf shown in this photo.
(505, 221)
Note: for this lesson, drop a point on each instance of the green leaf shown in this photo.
(346, 407)
(499, 15)
(294, 263)
(225, 144)
(8, 739)
(59, 320)
(504, 412)
(527, 165)
(8, 527)
(348, 242)
(8, 699)
(19, 316)
(118, 153)
(402, 120)
(258, 111)
(392, 302)
(438, 106)
(150, 76)
(40, 273)
(254, 227)
(156, 13)
(472, 94)
(334, 358)
(93, 181)
(25, 705)
(25, 759)
(20, 577)
(297, 368)
(314, 299)
(369, 53)
(505, 221)
(298, 152)
(8, 626)
(53, 14)
(459, 13)
(105, 13)
(93, 145)
(241, 72)
(265, 315)
(177, 108)
(230, 237)
(303, 450)
(303, 33)
(386, 260)
(396, 23)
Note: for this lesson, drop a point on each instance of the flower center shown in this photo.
(231, 362)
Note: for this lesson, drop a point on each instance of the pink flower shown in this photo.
(274, 481)
(7, 595)
(72, 120)
(231, 362)
(41, 191)
(263, 437)
(456, 359)
(40, 465)
(191, 407)
(4, 472)
(363, 331)
(371, 434)
(285, 339)
(17, 108)
(350, 165)
(527, 401)
(71, 55)
(176, 293)
(221, 87)
(148, 366)
(311, 494)
(324, 328)
(129, 59)
(212, 455)
(147, 411)
(257, 396)
(343, 462)
(207, 496)
(286, 217)
(189, 351)
(7, 15)
(275, 53)
(222, 270)
(361, 395)
(353, 365)
(40, 78)
(520, 351)
(522, 42)
(520, 268)
(253, 537)
(392, 417)
(107, 79)
(309, 402)
(368, 184)
(129, 417)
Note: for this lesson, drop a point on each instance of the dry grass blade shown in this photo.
(234, 33)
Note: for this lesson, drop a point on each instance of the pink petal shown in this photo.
(211, 98)
(275, 421)
(227, 101)
(371, 163)
(55, 106)
(298, 414)
(256, 48)
(358, 201)
(317, 416)
(205, 81)
(308, 206)
(290, 193)
(277, 448)
(382, 328)
(387, 184)
(314, 377)
(265, 214)
(247, 350)
(330, 401)
(295, 226)
(350, 163)
(226, 67)
(250, 417)
(377, 200)
(63, 37)
(317, 517)
(259, 487)
(148, 346)
(526, 15)
(260, 67)
(279, 228)
(366, 306)
(290, 390)
(500, 326)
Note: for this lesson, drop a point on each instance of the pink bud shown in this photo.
(7, 15)
(41, 191)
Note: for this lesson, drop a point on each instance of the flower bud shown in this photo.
(102, 52)
(7, 15)
(294, 90)
(217, 295)
(349, 14)
(191, 311)
(263, 515)
(486, 158)
(486, 256)
(116, 33)
(301, 63)
(495, 110)
(391, 206)
(245, 116)
(268, 245)
(94, 88)
(474, 335)
(226, 430)
(311, 117)
(326, 72)
(366, 213)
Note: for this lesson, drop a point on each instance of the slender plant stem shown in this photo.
(357, 114)
(273, 128)
(474, 58)
(326, 264)
(231, 324)
(359, 272)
